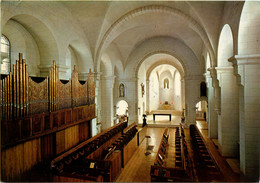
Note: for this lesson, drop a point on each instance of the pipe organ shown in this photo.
(46, 114)
(20, 95)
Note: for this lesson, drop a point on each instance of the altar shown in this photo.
(166, 106)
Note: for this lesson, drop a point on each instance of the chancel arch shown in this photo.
(154, 70)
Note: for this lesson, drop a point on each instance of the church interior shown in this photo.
(130, 91)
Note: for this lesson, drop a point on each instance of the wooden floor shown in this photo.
(138, 168)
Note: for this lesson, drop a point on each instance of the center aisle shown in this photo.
(138, 168)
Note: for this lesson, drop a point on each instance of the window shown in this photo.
(166, 83)
(5, 55)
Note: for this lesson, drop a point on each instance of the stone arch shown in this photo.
(165, 45)
(107, 69)
(83, 55)
(73, 32)
(225, 46)
(151, 68)
(43, 36)
(248, 33)
(169, 46)
(148, 9)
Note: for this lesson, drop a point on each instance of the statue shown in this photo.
(121, 90)
(142, 88)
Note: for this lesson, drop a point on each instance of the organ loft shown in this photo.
(130, 91)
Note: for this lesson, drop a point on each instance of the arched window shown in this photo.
(166, 83)
(5, 55)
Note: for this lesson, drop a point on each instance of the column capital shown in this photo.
(213, 72)
(133, 79)
(108, 77)
(46, 68)
(207, 75)
(245, 59)
(224, 69)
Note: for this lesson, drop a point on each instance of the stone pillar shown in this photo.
(95, 128)
(148, 95)
(248, 68)
(182, 93)
(228, 129)
(192, 94)
(213, 120)
(107, 106)
(132, 97)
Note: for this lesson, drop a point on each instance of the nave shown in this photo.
(73, 71)
(138, 169)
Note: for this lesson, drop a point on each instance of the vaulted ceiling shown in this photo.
(122, 26)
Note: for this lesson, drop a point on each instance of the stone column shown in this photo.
(148, 95)
(107, 105)
(228, 129)
(213, 120)
(182, 93)
(95, 128)
(192, 93)
(131, 98)
(247, 70)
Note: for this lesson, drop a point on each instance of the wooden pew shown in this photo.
(206, 167)
(182, 170)
(159, 160)
(104, 163)
(65, 164)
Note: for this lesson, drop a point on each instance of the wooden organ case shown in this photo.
(40, 120)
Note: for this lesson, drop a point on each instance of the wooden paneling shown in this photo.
(41, 124)
(31, 153)
(60, 141)
(71, 137)
(130, 149)
(48, 148)
(20, 158)
(84, 131)
(116, 162)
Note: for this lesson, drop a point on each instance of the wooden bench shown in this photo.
(182, 170)
(206, 167)
(104, 162)
(159, 160)
(72, 163)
